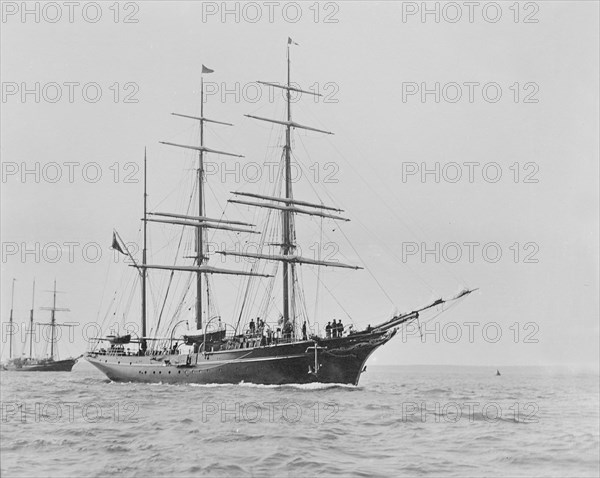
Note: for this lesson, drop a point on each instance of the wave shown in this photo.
(298, 386)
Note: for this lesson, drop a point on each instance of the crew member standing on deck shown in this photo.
(304, 331)
(334, 329)
(328, 330)
(340, 328)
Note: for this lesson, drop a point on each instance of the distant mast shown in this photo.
(31, 321)
(10, 320)
(53, 324)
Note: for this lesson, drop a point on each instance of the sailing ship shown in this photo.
(30, 363)
(281, 353)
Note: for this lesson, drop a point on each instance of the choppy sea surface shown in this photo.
(400, 421)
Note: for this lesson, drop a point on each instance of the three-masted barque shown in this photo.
(263, 354)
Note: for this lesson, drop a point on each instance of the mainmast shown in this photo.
(144, 271)
(201, 222)
(199, 227)
(286, 226)
(10, 320)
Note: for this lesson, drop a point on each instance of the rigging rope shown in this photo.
(318, 272)
(171, 275)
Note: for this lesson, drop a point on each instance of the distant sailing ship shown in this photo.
(281, 353)
(34, 364)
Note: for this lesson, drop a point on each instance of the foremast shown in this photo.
(289, 208)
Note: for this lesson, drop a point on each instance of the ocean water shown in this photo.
(400, 421)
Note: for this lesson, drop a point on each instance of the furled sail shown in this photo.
(289, 258)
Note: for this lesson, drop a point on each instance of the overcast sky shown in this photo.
(516, 96)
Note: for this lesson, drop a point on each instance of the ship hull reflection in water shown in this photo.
(336, 360)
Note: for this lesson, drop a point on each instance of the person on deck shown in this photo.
(334, 329)
(287, 331)
(143, 347)
(340, 328)
(304, 331)
(252, 327)
(328, 330)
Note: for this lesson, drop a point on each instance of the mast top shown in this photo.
(12, 298)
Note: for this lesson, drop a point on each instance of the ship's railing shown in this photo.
(249, 341)
(135, 353)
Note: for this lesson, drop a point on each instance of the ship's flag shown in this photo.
(206, 70)
(292, 42)
(115, 244)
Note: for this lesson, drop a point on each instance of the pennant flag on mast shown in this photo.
(115, 244)
(207, 70)
(292, 42)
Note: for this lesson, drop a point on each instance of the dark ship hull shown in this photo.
(40, 365)
(335, 360)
